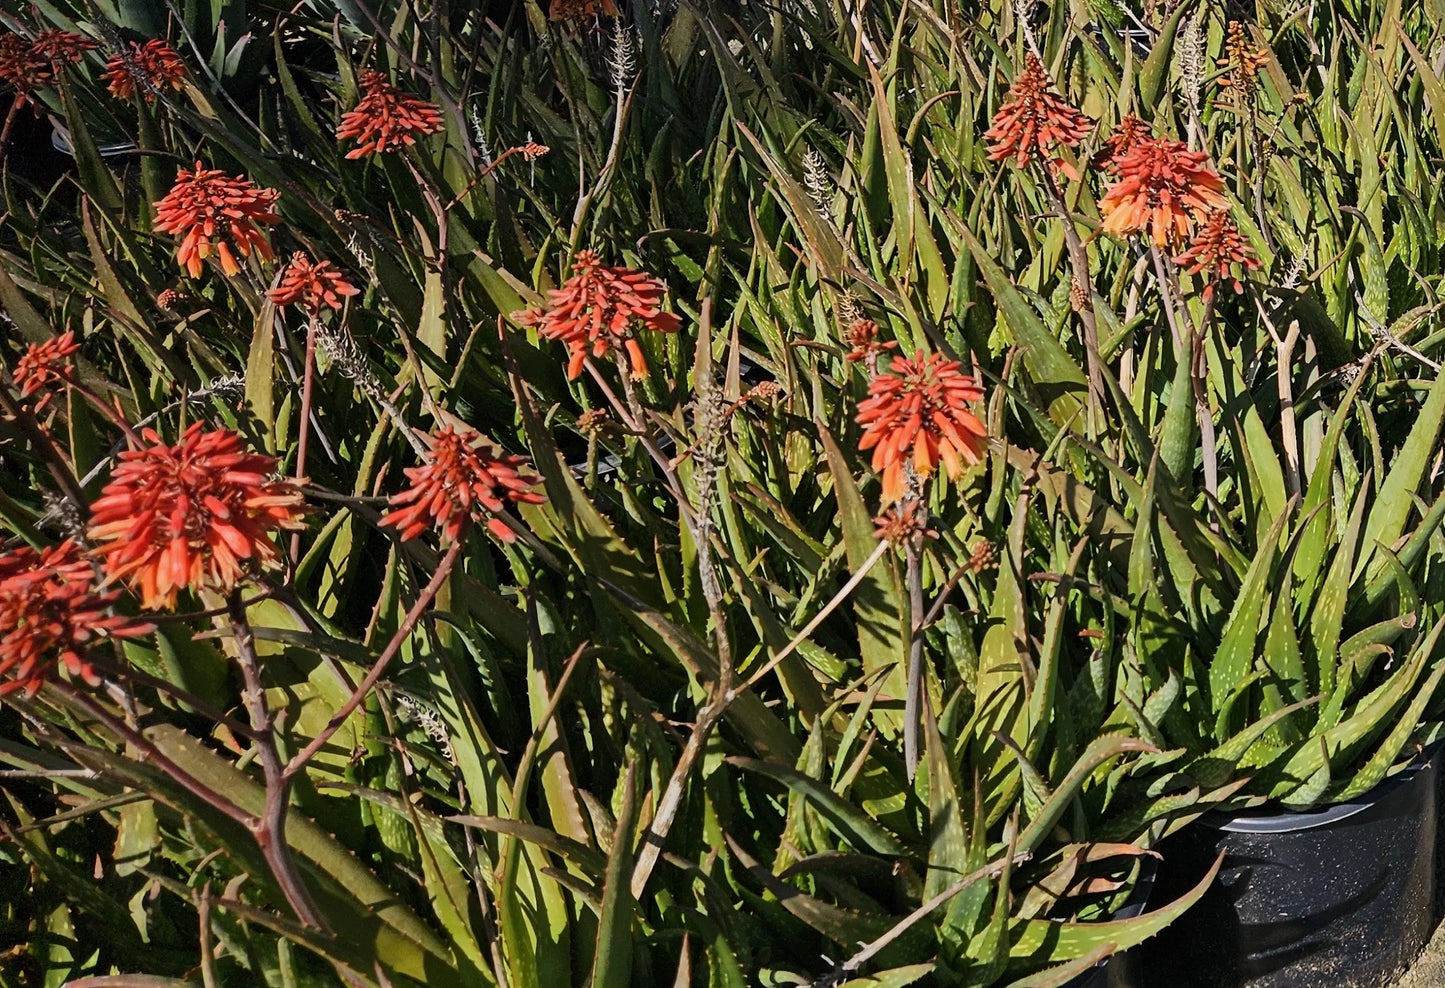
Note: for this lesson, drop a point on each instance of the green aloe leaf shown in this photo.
(1038, 941)
(1234, 658)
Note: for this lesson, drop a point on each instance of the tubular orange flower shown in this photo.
(1033, 122)
(214, 213)
(311, 284)
(463, 478)
(596, 311)
(61, 48)
(44, 365)
(1215, 251)
(1162, 186)
(50, 614)
(386, 118)
(1130, 132)
(155, 61)
(192, 515)
(22, 67)
(917, 411)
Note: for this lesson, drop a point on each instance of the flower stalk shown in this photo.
(270, 829)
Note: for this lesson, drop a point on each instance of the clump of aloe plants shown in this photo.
(641, 494)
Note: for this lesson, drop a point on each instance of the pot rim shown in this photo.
(1267, 820)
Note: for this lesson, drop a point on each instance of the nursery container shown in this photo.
(1122, 970)
(1340, 895)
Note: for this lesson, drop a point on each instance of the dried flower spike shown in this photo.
(215, 213)
(463, 478)
(597, 310)
(51, 613)
(1215, 251)
(1033, 123)
(311, 285)
(917, 412)
(1162, 186)
(191, 516)
(386, 118)
(155, 62)
(45, 365)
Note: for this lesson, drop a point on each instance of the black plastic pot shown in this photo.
(1122, 970)
(1342, 895)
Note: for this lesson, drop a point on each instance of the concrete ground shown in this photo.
(1429, 970)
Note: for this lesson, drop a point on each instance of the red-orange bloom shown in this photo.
(1216, 250)
(597, 309)
(155, 61)
(192, 515)
(214, 213)
(44, 365)
(21, 66)
(61, 47)
(1162, 186)
(311, 284)
(387, 118)
(50, 614)
(463, 478)
(1125, 137)
(918, 412)
(1033, 122)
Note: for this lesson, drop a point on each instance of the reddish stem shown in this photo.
(153, 754)
(15, 106)
(54, 461)
(270, 829)
(408, 623)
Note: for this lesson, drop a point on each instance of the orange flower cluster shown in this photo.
(1162, 186)
(596, 310)
(155, 61)
(311, 284)
(44, 365)
(50, 614)
(862, 336)
(463, 478)
(61, 48)
(1215, 251)
(214, 213)
(571, 10)
(902, 522)
(1243, 62)
(1125, 137)
(387, 118)
(22, 67)
(1033, 122)
(192, 515)
(918, 412)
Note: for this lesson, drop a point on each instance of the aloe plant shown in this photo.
(660, 734)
